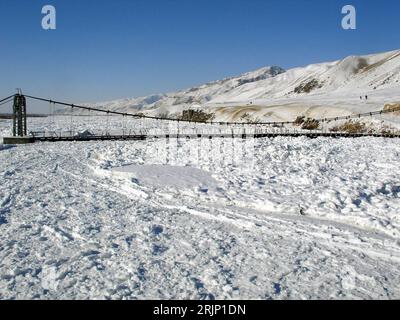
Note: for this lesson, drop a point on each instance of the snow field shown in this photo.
(288, 218)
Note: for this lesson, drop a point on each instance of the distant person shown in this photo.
(366, 97)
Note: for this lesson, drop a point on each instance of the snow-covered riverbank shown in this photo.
(201, 219)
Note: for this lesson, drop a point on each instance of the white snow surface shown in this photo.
(168, 176)
(284, 218)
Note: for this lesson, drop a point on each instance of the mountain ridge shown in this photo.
(376, 75)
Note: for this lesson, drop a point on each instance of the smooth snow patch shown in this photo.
(162, 176)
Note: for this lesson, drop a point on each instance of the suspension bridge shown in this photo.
(77, 125)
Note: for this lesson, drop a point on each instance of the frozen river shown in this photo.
(287, 218)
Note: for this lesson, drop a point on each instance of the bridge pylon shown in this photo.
(19, 116)
(20, 134)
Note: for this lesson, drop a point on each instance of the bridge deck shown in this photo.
(211, 136)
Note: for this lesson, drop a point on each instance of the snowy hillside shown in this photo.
(273, 94)
(198, 96)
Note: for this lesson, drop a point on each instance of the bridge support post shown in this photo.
(20, 135)
(19, 116)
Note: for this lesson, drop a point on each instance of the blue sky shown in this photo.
(106, 49)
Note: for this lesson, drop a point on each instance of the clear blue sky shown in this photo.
(106, 49)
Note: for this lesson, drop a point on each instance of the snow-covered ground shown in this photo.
(288, 218)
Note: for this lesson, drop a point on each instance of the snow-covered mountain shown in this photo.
(323, 89)
(200, 96)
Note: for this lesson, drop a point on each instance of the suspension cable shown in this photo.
(7, 98)
(6, 101)
(141, 116)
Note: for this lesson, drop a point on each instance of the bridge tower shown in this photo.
(19, 116)
(19, 129)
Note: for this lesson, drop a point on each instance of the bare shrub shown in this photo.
(395, 107)
(164, 115)
(350, 127)
(299, 120)
(310, 124)
(196, 116)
